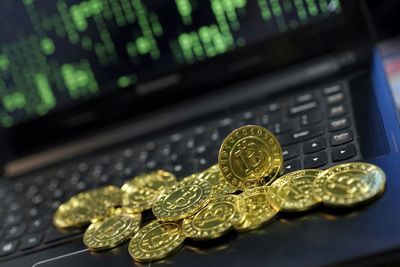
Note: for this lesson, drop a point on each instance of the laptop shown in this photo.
(96, 92)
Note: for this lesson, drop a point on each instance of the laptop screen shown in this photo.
(56, 53)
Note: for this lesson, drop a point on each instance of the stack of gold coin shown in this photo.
(243, 192)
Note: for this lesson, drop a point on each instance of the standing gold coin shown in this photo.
(220, 216)
(294, 191)
(139, 199)
(156, 241)
(250, 156)
(349, 184)
(182, 200)
(156, 180)
(258, 209)
(112, 231)
(214, 177)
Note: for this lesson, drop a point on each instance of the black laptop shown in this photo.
(95, 92)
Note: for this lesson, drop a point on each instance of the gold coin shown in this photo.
(139, 199)
(156, 241)
(108, 196)
(250, 156)
(112, 231)
(218, 183)
(220, 215)
(294, 191)
(156, 180)
(78, 214)
(182, 200)
(349, 184)
(189, 179)
(87, 207)
(258, 209)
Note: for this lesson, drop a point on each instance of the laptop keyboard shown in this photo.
(316, 129)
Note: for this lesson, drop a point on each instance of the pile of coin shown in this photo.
(244, 191)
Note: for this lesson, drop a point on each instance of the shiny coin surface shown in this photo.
(250, 156)
(78, 213)
(112, 231)
(156, 180)
(220, 215)
(182, 200)
(294, 191)
(349, 184)
(258, 209)
(189, 179)
(109, 196)
(156, 241)
(214, 177)
(139, 199)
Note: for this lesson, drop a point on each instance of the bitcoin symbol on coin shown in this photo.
(251, 156)
(186, 197)
(220, 214)
(347, 183)
(155, 240)
(182, 200)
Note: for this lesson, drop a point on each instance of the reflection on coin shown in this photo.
(258, 209)
(217, 218)
(156, 180)
(139, 199)
(349, 184)
(214, 177)
(111, 232)
(110, 196)
(87, 207)
(189, 179)
(294, 191)
(71, 214)
(250, 156)
(156, 241)
(182, 200)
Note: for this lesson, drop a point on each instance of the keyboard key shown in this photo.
(288, 139)
(12, 219)
(339, 124)
(311, 118)
(7, 248)
(296, 110)
(273, 107)
(332, 89)
(38, 224)
(31, 241)
(337, 111)
(343, 153)
(341, 138)
(15, 231)
(291, 166)
(290, 152)
(304, 98)
(335, 98)
(281, 127)
(314, 146)
(315, 161)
